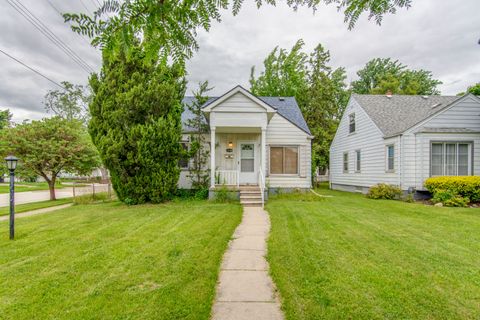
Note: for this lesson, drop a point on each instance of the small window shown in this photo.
(391, 158)
(284, 160)
(352, 123)
(184, 161)
(345, 162)
(358, 160)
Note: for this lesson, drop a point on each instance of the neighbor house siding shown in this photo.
(464, 114)
(369, 140)
(281, 132)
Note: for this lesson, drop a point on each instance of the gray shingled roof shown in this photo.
(285, 106)
(398, 113)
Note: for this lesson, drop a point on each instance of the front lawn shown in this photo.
(19, 208)
(348, 257)
(112, 261)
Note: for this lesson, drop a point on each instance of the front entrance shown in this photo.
(247, 163)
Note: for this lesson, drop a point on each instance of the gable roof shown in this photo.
(394, 115)
(287, 107)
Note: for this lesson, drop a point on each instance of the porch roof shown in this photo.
(287, 107)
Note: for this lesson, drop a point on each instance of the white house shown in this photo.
(403, 140)
(254, 141)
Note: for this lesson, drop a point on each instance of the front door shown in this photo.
(248, 170)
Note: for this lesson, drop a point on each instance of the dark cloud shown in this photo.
(440, 36)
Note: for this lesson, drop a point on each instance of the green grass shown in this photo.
(28, 186)
(348, 257)
(112, 261)
(19, 208)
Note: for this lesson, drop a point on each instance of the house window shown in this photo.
(358, 160)
(345, 162)
(351, 118)
(184, 161)
(284, 160)
(451, 159)
(391, 158)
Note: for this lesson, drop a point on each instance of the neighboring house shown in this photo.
(403, 140)
(260, 141)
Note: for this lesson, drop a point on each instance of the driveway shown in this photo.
(36, 196)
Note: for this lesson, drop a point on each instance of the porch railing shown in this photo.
(229, 177)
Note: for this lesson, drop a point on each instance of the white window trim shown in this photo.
(444, 155)
(387, 156)
(358, 164)
(284, 174)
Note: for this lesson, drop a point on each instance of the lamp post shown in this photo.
(11, 166)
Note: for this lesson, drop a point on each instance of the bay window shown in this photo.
(284, 160)
(451, 159)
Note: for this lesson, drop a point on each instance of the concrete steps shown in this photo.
(250, 196)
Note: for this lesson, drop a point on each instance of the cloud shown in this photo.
(440, 36)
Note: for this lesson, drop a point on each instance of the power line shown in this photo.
(31, 69)
(40, 26)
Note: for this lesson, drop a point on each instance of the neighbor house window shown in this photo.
(183, 162)
(391, 158)
(358, 160)
(351, 118)
(345, 162)
(284, 160)
(451, 159)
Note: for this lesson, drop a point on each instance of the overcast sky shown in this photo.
(440, 36)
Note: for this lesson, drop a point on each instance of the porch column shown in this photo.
(264, 154)
(212, 157)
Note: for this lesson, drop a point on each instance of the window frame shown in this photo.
(358, 161)
(387, 158)
(351, 117)
(470, 160)
(186, 145)
(345, 162)
(283, 174)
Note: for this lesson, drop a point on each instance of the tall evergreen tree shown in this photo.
(136, 124)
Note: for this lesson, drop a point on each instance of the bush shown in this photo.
(450, 199)
(223, 195)
(464, 186)
(384, 191)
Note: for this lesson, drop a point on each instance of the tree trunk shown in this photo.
(51, 187)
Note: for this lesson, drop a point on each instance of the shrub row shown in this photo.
(384, 191)
(459, 189)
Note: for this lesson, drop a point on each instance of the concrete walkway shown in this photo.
(35, 212)
(245, 289)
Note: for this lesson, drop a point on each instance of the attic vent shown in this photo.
(436, 105)
(281, 99)
(425, 97)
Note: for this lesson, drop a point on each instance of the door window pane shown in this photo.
(247, 161)
(247, 165)
(291, 160)
(247, 151)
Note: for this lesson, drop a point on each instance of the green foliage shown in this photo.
(5, 118)
(91, 198)
(450, 199)
(384, 191)
(380, 76)
(464, 186)
(70, 103)
(136, 126)
(49, 146)
(319, 90)
(223, 195)
(474, 89)
(169, 27)
(199, 148)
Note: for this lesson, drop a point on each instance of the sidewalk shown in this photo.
(35, 212)
(245, 289)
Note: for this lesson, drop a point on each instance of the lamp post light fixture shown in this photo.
(11, 166)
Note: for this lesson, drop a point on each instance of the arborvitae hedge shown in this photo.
(136, 125)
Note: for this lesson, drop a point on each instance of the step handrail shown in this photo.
(261, 179)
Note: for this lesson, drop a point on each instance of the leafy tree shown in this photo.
(475, 90)
(135, 124)
(380, 76)
(169, 26)
(49, 146)
(70, 103)
(319, 90)
(5, 119)
(199, 147)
